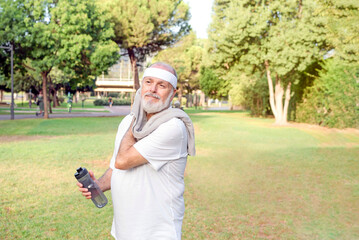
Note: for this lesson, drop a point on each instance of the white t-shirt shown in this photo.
(148, 200)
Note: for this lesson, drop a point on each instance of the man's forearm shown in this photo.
(104, 182)
(127, 142)
(127, 156)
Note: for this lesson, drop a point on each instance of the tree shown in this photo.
(13, 30)
(212, 85)
(186, 57)
(263, 37)
(73, 35)
(143, 27)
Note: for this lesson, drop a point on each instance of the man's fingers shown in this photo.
(86, 194)
(92, 175)
(79, 184)
(83, 190)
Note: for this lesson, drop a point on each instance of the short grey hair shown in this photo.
(165, 65)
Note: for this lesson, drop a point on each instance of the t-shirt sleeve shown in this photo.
(122, 129)
(167, 143)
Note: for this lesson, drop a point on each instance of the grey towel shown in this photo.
(141, 128)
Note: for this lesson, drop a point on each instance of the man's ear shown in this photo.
(174, 93)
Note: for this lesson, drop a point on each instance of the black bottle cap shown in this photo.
(80, 172)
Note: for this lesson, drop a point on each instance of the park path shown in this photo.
(115, 111)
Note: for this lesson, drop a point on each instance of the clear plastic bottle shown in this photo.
(97, 196)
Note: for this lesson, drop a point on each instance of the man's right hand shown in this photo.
(85, 192)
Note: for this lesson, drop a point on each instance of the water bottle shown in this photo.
(97, 196)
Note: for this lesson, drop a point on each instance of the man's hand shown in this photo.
(103, 182)
(85, 192)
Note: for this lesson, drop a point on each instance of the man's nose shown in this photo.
(153, 88)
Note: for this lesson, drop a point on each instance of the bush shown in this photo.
(116, 102)
(333, 100)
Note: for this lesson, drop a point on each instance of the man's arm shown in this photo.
(103, 182)
(127, 156)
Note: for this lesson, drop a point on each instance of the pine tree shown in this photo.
(143, 27)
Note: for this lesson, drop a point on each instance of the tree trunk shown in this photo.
(286, 101)
(55, 99)
(1, 95)
(195, 101)
(50, 108)
(44, 92)
(280, 112)
(203, 99)
(180, 94)
(76, 96)
(52, 91)
(133, 60)
(279, 91)
(271, 91)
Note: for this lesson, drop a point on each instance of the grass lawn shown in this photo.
(249, 180)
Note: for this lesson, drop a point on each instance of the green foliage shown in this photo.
(212, 85)
(74, 36)
(116, 102)
(84, 34)
(186, 57)
(303, 80)
(333, 100)
(342, 18)
(258, 37)
(13, 30)
(250, 92)
(148, 25)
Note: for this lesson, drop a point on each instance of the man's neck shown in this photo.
(149, 115)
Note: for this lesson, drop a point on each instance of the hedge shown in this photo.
(333, 100)
(116, 102)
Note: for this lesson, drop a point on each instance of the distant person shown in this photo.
(147, 167)
(69, 102)
(110, 102)
(40, 103)
(177, 104)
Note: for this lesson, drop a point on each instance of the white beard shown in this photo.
(149, 107)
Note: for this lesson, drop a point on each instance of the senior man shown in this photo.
(147, 167)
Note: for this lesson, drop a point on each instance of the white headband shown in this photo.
(161, 74)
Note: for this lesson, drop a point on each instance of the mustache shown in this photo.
(152, 95)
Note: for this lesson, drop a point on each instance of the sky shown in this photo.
(201, 16)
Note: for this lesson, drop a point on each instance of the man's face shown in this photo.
(156, 94)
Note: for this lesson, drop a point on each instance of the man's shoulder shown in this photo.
(173, 123)
(173, 127)
(128, 117)
(126, 121)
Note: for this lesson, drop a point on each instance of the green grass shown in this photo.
(20, 111)
(249, 180)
